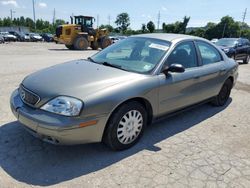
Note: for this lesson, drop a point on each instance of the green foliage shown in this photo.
(132, 32)
(41, 25)
(151, 26)
(109, 27)
(177, 27)
(227, 27)
(143, 28)
(122, 21)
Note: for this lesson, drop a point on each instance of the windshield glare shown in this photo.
(135, 54)
(227, 42)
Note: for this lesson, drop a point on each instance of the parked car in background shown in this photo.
(115, 39)
(214, 40)
(47, 37)
(113, 95)
(26, 37)
(34, 37)
(8, 37)
(236, 48)
(19, 36)
(1, 39)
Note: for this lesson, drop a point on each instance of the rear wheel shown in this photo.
(125, 126)
(70, 47)
(246, 60)
(105, 42)
(81, 43)
(224, 94)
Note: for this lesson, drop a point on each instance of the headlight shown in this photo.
(226, 50)
(62, 105)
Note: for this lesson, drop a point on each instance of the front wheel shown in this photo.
(81, 43)
(125, 126)
(223, 96)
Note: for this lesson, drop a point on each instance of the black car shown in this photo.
(236, 48)
(48, 37)
(19, 36)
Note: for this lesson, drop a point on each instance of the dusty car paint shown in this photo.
(102, 89)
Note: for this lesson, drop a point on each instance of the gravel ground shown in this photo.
(203, 147)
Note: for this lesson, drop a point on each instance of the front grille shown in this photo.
(58, 31)
(28, 96)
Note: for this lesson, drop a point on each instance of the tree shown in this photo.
(177, 27)
(109, 27)
(7, 22)
(122, 21)
(199, 32)
(151, 26)
(143, 28)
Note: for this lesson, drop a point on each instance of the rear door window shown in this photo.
(209, 54)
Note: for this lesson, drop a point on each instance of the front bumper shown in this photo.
(55, 128)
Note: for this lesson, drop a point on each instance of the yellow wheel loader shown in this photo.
(80, 35)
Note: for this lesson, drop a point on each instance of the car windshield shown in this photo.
(226, 42)
(134, 54)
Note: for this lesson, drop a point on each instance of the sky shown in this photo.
(140, 11)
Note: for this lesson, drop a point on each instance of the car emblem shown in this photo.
(22, 94)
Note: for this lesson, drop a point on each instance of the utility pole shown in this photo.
(97, 21)
(54, 16)
(109, 18)
(224, 29)
(34, 13)
(11, 14)
(243, 20)
(158, 20)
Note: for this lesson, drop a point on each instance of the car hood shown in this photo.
(37, 37)
(12, 36)
(78, 78)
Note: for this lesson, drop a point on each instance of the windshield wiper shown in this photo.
(112, 65)
(91, 59)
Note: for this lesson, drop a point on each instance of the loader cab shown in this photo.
(86, 21)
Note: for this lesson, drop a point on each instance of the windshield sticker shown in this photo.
(159, 47)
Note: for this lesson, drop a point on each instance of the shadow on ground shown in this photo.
(31, 161)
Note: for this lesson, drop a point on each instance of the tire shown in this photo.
(246, 60)
(81, 43)
(105, 42)
(223, 96)
(70, 47)
(120, 133)
(94, 46)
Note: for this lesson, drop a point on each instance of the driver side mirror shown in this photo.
(178, 68)
(240, 45)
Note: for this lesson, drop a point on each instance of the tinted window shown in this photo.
(245, 42)
(208, 53)
(183, 54)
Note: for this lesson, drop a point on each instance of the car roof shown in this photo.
(168, 36)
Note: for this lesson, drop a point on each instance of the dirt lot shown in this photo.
(204, 147)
